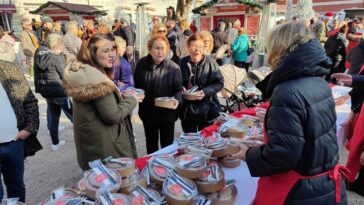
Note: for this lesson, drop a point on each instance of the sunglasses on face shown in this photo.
(162, 31)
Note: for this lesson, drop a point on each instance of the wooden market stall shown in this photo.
(60, 11)
(248, 12)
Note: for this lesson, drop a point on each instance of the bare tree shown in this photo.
(183, 8)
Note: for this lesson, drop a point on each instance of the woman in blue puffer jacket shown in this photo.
(240, 48)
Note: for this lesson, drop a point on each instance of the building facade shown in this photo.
(330, 5)
(114, 8)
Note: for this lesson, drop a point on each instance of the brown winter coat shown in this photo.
(101, 124)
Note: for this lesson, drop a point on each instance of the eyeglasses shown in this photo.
(199, 47)
(162, 31)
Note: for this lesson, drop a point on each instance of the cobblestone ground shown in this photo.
(48, 170)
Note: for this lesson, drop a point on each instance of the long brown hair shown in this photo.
(87, 53)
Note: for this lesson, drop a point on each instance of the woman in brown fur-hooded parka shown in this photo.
(102, 127)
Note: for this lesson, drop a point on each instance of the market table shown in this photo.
(246, 184)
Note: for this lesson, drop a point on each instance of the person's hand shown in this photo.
(120, 84)
(200, 95)
(242, 153)
(343, 78)
(362, 158)
(257, 137)
(183, 90)
(138, 97)
(176, 103)
(23, 134)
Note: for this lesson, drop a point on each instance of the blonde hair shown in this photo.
(57, 27)
(207, 36)
(184, 25)
(284, 39)
(71, 27)
(119, 41)
(156, 27)
(54, 40)
(237, 24)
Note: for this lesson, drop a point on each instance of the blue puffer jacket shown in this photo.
(301, 127)
(240, 48)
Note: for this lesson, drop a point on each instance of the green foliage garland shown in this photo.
(201, 9)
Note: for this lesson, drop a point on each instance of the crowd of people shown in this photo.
(92, 78)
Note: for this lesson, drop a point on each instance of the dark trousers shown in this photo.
(156, 131)
(189, 125)
(12, 169)
(55, 105)
(240, 64)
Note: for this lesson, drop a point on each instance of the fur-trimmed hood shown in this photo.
(83, 82)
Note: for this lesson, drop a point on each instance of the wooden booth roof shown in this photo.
(201, 9)
(80, 9)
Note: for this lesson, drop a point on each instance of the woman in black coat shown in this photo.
(202, 71)
(335, 47)
(158, 77)
(296, 164)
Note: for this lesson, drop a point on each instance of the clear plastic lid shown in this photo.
(166, 98)
(179, 187)
(113, 199)
(214, 142)
(198, 150)
(96, 180)
(64, 201)
(191, 162)
(160, 166)
(11, 201)
(129, 180)
(142, 196)
(186, 139)
(227, 193)
(212, 174)
(123, 162)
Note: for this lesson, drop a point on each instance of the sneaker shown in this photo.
(57, 146)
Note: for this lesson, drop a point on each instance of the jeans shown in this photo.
(241, 64)
(12, 169)
(55, 105)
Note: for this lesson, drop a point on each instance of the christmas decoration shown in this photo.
(304, 10)
(202, 9)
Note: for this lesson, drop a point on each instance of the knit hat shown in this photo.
(329, 15)
(47, 19)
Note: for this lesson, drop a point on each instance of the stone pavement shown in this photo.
(48, 170)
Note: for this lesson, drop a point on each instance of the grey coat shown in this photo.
(72, 44)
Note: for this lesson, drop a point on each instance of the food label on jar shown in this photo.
(118, 202)
(176, 189)
(160, 170)
(100, 178)
(138, 200)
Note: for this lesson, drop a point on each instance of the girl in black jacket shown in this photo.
(158, 77)
(300, 125)
(49, 64)
(202, 71)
